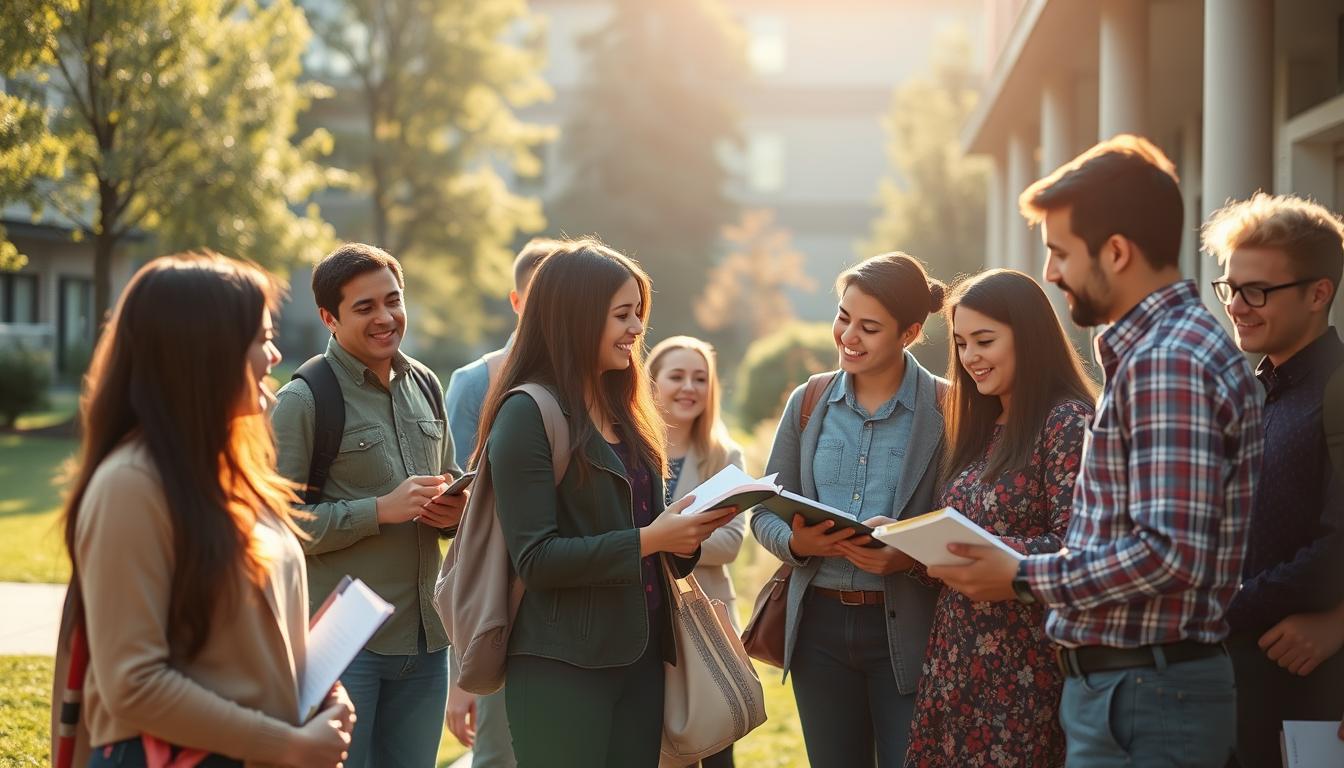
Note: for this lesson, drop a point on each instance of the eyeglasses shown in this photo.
(1253, 295)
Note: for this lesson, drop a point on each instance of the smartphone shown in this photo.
(457, 486)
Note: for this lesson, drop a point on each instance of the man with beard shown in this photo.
(1138, 597)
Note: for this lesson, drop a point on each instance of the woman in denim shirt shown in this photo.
(857, 623)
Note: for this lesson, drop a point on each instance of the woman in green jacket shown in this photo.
(584, 680)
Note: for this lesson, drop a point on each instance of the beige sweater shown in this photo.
(239, 695)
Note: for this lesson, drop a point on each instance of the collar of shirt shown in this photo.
(905, 396)
(358, 372)
(1317, 355)
(1121, 338)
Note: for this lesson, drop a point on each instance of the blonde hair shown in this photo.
(1306, 232)
(709, 435)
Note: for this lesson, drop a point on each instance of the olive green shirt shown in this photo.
(390, 434)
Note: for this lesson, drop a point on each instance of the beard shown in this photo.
(1085, 309)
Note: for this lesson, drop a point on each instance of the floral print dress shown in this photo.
(989, 694)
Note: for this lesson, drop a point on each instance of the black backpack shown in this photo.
(329, 413)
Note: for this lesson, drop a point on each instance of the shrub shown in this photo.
(24, 378)
(774, 365)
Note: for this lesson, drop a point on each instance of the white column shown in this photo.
(1057, 129)
(1123, 62)
(996, 213)
(1238, 108)
(1190, 188)
(1017, 236)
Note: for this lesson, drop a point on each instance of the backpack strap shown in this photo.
(557, 428)
(328, 422)
(817, 384)
(429, 387)
(1332, 416)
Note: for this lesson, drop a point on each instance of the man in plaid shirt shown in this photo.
(1153, 553)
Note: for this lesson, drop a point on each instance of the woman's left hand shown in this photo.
(338, 695)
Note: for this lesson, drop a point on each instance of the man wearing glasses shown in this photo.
(1282, 259)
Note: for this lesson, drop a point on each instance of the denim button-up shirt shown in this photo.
(857, 464)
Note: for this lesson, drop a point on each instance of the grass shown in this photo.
(30, 539)
(25, 689)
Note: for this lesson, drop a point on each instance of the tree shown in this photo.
(746, 296)
(436, 83)
(643, 147)
(174, 117)
(775, 364)
(934, 206)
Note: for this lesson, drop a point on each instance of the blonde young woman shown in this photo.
(686, 387)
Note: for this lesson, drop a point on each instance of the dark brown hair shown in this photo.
(170, 369)
(557, 345)
(1124, 186)
(528, 259)
(1306, 232)
(899, 283)
(345, 264)
(1048, 372)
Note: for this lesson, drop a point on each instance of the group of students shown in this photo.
(1181, 594)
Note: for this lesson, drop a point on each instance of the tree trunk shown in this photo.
(104, 247)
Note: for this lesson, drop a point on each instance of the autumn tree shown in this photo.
(174, 117)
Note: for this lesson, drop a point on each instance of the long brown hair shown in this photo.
(709, 435)
(1041, 351)
(170, 371)
(557, 345)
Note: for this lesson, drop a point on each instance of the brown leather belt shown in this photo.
(853, 598)
(1076, 662)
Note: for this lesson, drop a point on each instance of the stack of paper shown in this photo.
(1308, 744)
(926, 537)
(341, 627)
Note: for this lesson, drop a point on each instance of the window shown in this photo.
(765, 162)
(766, 49)
(74, 332)
(18, 298)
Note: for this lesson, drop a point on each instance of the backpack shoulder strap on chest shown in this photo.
(328, 422)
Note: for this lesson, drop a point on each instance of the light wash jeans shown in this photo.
(494, 745)
(399, 704)
(1152, 717)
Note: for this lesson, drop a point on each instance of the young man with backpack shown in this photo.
(1282, 258)
(363, 427)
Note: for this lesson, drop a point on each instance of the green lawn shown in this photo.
(25, 689)
(30, 539)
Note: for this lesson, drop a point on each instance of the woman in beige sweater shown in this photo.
(686, 387)
(194, 597)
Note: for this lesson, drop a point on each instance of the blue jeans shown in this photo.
(130, 753)
(1152, 717)
(399, 704)
(852, 713)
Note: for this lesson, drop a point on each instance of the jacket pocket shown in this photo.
(432, 445)
(363, 461)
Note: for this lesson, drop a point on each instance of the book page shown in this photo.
(1312, 744)
(729, 481)
(926, 537)
(342, 630)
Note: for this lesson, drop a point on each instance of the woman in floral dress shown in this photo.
(989, 695)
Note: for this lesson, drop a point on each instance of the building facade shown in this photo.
(1243, 95)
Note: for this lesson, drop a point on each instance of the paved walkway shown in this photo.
(30, 615)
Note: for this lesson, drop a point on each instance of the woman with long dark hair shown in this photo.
(857, 624)
(584, 676)
(191, 578)
(1019, 404)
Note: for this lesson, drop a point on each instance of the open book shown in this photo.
(733, 487)
(926, 537)
(342, 626)
(1310, 744)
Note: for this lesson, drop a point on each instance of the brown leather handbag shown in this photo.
(764, 636)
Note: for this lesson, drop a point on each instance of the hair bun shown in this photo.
(937, 292)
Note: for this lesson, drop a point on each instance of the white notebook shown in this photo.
(730, 487)
(1312, 744)
(342, 626)
(926, 537)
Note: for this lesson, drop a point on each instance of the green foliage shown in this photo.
(25, 376)
(774, 365)
(25, 693)
(934, 205)
(173, 117)
(644, 143)
(436, 83)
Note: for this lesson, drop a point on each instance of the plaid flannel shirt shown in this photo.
(1162, 505)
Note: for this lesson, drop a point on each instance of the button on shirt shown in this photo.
(1295, 552)
(1162, 504)
(390, 434)
(858, 463)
